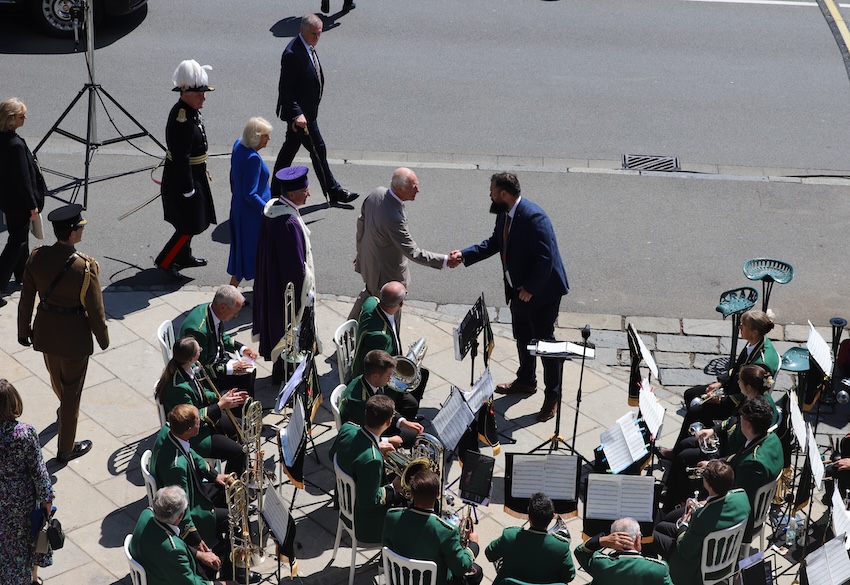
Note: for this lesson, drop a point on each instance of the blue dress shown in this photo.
(25, 484)
(249, 184)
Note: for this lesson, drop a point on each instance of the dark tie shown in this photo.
(219, 336)
(315, 59)
(505, 238)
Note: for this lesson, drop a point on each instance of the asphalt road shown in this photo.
(720, 84)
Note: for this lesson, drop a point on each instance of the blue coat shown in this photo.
(249, 185)
(532, 258)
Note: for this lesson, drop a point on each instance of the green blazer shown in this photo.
(686, 559)
(183, 390)
(352, 404)
(755, 466)
(735, 439)
(358, 455)
(533, 556)
(199, 324)
(422, 535)
(373, 332)
(166, 558)
(609, 567)
(763, 354)
(171, 466)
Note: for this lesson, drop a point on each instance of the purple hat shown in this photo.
(292, 178)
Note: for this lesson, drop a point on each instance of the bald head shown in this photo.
(405, 184)
(392, 296)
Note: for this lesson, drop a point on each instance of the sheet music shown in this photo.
(566, 349)
(651, 409)
(610, 497)
(555, 475)
(645, 353)
(289, 387)
(291, 436)
(276, 515)
(456, 338)
(840, 516)
(819, 350)
(480, 393)
(452, 419)
(798, 424)
(815, 458)
(623, 444)
(828, 565)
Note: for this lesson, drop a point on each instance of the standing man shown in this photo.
(384, 245)
(70, 312)
(535, 281)
(283, 256)
(299, 94)
(186, 197)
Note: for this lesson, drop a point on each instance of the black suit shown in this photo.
(299, 93)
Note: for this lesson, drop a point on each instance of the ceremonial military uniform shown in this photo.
(166, 558)
(609, 567)
(171, 465)
(756, 465)
(422, 535)
(70, 311)
(531, 555)
(718, 513)
(357, 454)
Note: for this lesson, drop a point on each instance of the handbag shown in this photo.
(55, 534)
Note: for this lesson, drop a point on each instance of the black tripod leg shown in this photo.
(55, 126)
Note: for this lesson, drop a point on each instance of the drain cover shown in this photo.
(646, 162)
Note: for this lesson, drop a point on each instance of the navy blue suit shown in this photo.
(534, 263)
(299, 92)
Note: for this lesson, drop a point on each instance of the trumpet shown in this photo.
(407, 374)
(699, 400)
(426, 453)
(243, 552)
(691, 505)
(694, 472)
(708, 445)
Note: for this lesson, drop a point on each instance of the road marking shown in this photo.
(766, 2)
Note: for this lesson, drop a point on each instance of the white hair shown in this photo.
(254, 128)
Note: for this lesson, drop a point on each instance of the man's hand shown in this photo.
(300, 121)
(386, 447)
(473, 536)
(617, 541)
(704, 434)
(455, 258)
(233, 398)
(524, 295)
(33, 214)
(204, 547)
(411, 425)
(842, 464)
(224, 479)
(249, 352)
(241, 367)
(208, 558)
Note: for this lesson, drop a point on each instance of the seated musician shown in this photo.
(724, 507)
(173, 462)
(838, 470)
(615, 558)
(218, 436)
(533, 555)
(377, 370)
(754, 327)
(358, 454)
(753, 381)
(418, 533)
(206, 324)
(377, 329)
(157, 545)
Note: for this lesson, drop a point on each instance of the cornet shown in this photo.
(708, 445)
(691, 505)
(694, 472)
(699, 400)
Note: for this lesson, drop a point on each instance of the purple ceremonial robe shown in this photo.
(281, 257)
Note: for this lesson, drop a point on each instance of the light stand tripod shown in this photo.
(91, 89)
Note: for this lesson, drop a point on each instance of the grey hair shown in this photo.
(228, 295)
(628, 525)
(391, 299)
(401, 179)
(310, 20)
(169, 503)
(254, 129)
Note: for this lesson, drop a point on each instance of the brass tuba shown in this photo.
(407, 375)
(426, 453)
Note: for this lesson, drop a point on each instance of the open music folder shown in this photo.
(610, 497)
(828, 565)
(623, 443)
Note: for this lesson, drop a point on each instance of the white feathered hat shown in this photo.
(191, 76)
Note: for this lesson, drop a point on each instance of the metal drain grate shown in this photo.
(645, 162)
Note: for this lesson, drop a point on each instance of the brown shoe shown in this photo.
(550, 406)
(515, 387)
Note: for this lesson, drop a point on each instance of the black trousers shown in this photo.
(15, 253)
(294, 140)
(535, 322)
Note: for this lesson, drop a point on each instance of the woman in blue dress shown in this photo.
(249, 185)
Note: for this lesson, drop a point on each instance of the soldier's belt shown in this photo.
(56, 309)
(193, 160)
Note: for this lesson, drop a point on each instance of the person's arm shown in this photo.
(19, 174)
(458, 558)
(180, 136)
(94, 306)
(399, 233)
(288, 107)
(567, 570)
(250, 189)
(482, 251)
(373, 495)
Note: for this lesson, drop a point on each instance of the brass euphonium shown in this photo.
(243, 552)
(426, 453)
(407, 374)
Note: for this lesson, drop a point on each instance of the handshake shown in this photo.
(455, 258)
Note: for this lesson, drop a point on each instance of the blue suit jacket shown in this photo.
(532, 259)
(299, 89)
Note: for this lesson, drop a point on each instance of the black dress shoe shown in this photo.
(80, 449)
(253, 577)
(343, 196)
(3, 302)
(194, 262)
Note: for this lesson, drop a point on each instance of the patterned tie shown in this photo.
(318, 67)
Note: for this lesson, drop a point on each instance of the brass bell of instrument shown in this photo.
(407, 375)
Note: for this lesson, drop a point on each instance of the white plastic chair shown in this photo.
(345, 495)
(345, 339)
(150, 482)
(720, 553)
(336, 398)
(761, 506)
(401, 570)
(137, 571)
(165, 335)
